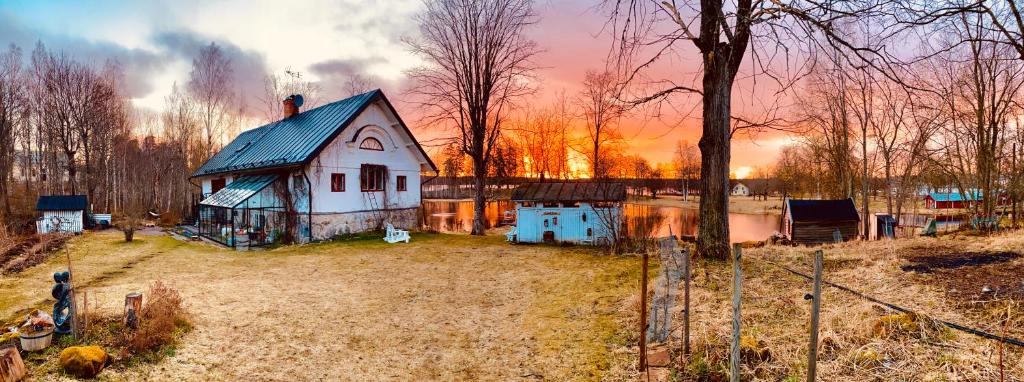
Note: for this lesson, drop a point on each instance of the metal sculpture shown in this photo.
(63, 311)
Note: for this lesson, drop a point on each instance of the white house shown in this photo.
(739, 189)
(344, 167)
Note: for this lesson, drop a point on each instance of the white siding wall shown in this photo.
(345, 157)
(207, 182)
(71, 221)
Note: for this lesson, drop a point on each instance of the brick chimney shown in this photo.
(290, 108)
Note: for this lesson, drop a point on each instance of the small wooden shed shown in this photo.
(572, 212)
(64, 213)
(806, 221)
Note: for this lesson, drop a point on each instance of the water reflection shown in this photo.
(640, 219)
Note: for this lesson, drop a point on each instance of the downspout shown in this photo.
(309, 204)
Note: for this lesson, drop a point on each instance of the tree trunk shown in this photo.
(864, 182)
(713, 226)
(479, 202)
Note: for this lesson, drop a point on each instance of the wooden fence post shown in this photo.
(734, 361)
(686, 303)
(812, 354)
(643, 315)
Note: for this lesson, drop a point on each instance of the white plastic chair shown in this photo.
(394, 235)
(511, 235)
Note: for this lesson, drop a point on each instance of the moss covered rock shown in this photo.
(894, 324)
(753, 350)
(83, 361)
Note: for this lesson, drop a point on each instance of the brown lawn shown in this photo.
(445, 307)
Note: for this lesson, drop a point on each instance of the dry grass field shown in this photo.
(940, 278)
(445, 307)
(455, 307)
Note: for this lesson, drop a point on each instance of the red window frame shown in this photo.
(372, 177)
(400, 183)
(337, 182)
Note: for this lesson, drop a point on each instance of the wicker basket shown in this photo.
(37, 341)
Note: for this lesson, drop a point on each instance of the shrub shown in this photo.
(161, 318)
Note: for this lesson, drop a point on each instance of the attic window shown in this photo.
(371, 144)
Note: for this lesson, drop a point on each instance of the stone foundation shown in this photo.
(328, 225)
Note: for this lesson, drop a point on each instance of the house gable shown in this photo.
(296, 140)
(342, 160)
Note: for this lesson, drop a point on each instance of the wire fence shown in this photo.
(659, 321)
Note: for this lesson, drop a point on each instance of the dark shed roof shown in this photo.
(295, 140)
(808, 210)
(570, 192)
(62, 203)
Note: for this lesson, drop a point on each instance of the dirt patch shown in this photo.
(929, 264)
(30, 251)
(969, 277)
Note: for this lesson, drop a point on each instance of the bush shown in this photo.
(161, 318)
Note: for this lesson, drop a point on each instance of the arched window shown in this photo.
(371, 144)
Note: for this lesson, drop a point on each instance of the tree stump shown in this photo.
(132, 309)
(12, 368)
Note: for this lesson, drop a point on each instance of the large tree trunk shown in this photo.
(479, 202)
(713, 226)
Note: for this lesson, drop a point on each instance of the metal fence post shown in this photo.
(812, 355)
(734, 362)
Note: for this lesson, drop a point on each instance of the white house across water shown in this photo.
(572, 212)
(344, 167)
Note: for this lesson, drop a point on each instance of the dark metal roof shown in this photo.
(62, 203)
(238, 191)
(570, 192)
(295, 140)
(808, 210)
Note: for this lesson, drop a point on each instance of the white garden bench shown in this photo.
(394, 235)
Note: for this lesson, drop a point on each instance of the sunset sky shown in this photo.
(327, 41)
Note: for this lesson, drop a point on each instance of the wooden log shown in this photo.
(132, 309)
(12, 368)
(734, 359)
(643, 315)
(812, 354)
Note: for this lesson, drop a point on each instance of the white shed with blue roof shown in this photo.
(344, 167)
(568, 212)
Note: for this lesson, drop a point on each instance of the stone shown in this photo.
(83, 361)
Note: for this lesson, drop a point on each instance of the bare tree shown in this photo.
(276, 88)
(12, 113)
(357, 83)
(687, 164)
(599, 101)
(210, 84)
(650, 31)
(979, 87)
(478, 62)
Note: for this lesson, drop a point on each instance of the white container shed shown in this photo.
(568, 212)
(61, 213)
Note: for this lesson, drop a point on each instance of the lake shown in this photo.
(457, 216)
